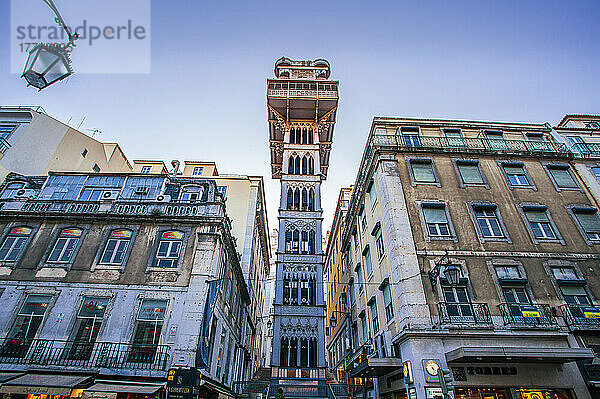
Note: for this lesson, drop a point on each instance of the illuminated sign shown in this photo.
(431, 367)
(407, 371)
(530, 311)
(21, 231)
(172, 235)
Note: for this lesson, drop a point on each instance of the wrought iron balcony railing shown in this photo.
(587, 149)
(522, 315)
(297, 390)
(581, 317)
(469, 144)
(468, 314)
(79, 354)
(4, 145)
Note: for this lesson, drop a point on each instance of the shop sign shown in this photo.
(407, 371)
(485, 370)
(99, 395)
(530, 311)
(412, 393)
(183, 383)
(434, 393)
(591, 313)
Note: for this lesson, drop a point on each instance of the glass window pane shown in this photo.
(423, 172)
(152, 309)
(93, 307)
(563, 178)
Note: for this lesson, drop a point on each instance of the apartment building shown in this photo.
(473, 247)
(33, 143)
(109, 280)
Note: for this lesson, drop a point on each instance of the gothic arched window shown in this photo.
(311, 199)
(290, 198)
(297, 199)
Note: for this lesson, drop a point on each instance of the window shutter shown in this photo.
(470, 174)
(435, 215)
(514, 170)
(589, 221)
(536, 216)
(563, 178)
(572, 290)
(423, 172)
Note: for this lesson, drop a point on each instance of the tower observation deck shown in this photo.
(302, 104)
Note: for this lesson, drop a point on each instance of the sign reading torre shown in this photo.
(302, 104)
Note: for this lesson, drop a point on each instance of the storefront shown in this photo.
(45, 386)
(122, 390)
(508, 393)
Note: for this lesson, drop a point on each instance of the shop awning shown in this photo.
(126, 388)
(375, 367)
(9, 376)
(518, 354)
(212, 385)
(45, 384)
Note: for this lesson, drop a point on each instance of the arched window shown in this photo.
(311, 199)
(288, 241)
(297, 165)
(312, 349)
(304, 200)
(290, 198)
(284, 352)
(65, 246)
(305, 165)
(10, 191)
(191, 193)
(311, 242)
(296, 242)
(304, 292)
(311, 166)
(116, 247)
(304, 135)
(14, 243)
(291, 165)
(311, 133)
(293, 362)
(297, 199)
(312, 291)
(304, 352)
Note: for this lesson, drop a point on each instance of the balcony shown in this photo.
(88, 355)
(325, 90)
(4, 145)
(470, 145)
(473, 315)
(581, 317)
(528, 316)
(587, 149)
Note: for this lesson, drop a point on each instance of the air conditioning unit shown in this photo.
(163, 198)
(109, 195)
(142, 190)
(27, 193)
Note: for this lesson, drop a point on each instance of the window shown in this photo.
(422, 171)
(363, 221)
(11, 189)
(6, 131)
(495, 140)
(359, 278)
(539, 223)
(410, 136)
(516, 175)
(84, 152)
(65, 246)
(222, 190)
(372, 194)
(562, 178)
(351, 289)
(577, 144)
(589, 222)
(197, 171)
(564, 273)
(14, 243)
(596, 172)
(454, 138)
(387, 301)
(436, 220)
(365, 327)
(534, 136)
(169, 248)
(25, 327)
(116, 247)
(592, 125)
(379, 244)
(146, 169)
(101, 188)
(374, 316)
(87, 326)
(515, 297)
(368, 264)
(457, 303)
(488, 222)
(96, 168)
(148, 327)
(469, 172)
(191, 193)
(575, 295)
(508, 272)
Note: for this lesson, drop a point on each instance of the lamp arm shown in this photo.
(61, 22)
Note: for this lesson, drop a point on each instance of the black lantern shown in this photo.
(47, 64)
(332, 321)
(269, 324)
(452, 273)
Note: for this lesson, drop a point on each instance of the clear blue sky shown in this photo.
(205, 97)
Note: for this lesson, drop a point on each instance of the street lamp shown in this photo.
(48, 63)
(451, 272)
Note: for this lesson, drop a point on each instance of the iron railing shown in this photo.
(342, 391)
(4, 145)
(83, 354)
(299, 390)
(248, 388)
(469, 144)
(581, 317)
(521, 315)
(587, 149)
(471, 314)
